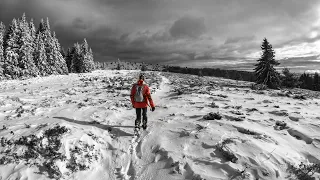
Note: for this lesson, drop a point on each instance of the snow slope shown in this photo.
(179, 142)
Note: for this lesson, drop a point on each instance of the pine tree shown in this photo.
(44, 37)
(32, 30)
(63, 53)
(59, 61)
(26, 62)
(55, 62)
(49, 45)
(27, 52)
(69, 60)
(309, 82)
(302, 80)
(97, 65)
(2, 31)
(40, 56)
(42, 27)
(86, 61)
(306, 81)
(47, 25)
(79, 58)
(76, 58)
(265, 71)
(55, 41)
(316, 82)
(289, 80)
(11, 48)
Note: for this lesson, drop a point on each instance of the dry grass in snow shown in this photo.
(80, 126)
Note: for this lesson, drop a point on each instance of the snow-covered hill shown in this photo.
(80, 126)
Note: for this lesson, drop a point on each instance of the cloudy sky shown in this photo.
(224, 33)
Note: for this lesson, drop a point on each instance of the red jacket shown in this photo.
(146, 94)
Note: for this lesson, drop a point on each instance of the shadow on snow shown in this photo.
(112, 129)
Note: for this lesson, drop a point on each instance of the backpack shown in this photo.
(139, 96)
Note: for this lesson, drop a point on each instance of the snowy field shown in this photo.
(80, 127)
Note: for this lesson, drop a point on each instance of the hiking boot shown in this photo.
(136, 131)
(144, 127)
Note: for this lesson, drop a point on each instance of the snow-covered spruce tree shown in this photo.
(69, 60)
(86, 61)
(47, 24)
(56, 63)
(63, 52)
(49, 45)
(33, 30)
(42, 50)
(84, 57)
(60, 63)
(76, 58)
(2, 31)
(11, 51)
(40, 57)
(41, 27)
(97, 65)
(100, 65)
(265, 71)
(26, 50)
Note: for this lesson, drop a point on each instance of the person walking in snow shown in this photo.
(140, 96)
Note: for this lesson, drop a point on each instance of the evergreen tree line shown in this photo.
(101, 65)
(309, 81)
(216, 72)
(264, 73)
(287, 79)
(28, 52)
(123, 65)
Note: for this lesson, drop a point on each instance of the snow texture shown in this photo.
(202, 128)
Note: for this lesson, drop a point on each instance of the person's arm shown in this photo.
(132, 95)
(148, 96)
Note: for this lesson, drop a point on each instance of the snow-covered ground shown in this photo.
(181, 142)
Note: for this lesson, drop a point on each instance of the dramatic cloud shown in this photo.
(189, 27)
(184, 32)
(244, 39)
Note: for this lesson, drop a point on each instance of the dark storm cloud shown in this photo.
(10, 9)
(188, 27)
(181, 30)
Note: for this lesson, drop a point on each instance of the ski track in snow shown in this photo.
(178, 144)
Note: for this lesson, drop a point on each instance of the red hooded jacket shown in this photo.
(146, 94)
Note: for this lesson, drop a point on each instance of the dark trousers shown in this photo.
(142, 111)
